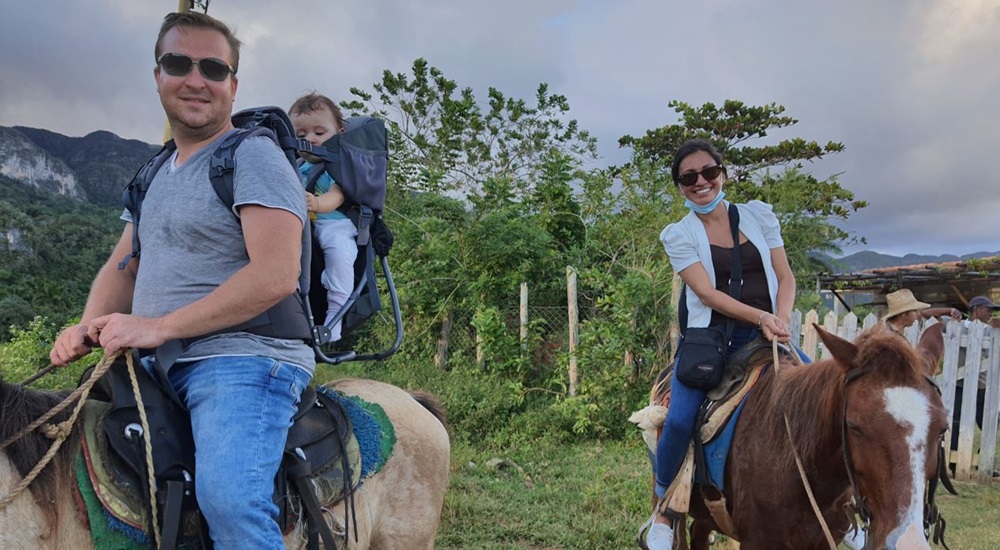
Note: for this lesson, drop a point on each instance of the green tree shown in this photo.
(769, 172)
(444, 140)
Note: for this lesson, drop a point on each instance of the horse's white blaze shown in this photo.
(912, 411)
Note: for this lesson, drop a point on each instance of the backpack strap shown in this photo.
(290, 318)
(222, 166)
(313, 175)
(286, 319)
(135, 192)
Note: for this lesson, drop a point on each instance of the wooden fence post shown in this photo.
(574, 319)
(524, 318)
(444, 342)
(796, 328)
(966, 428)
(870, 321)
(988, 442)
(948, 380)
(850, 327)
(809, 335)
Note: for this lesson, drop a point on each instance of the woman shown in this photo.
(700, 247)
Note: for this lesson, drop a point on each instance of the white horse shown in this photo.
(397, 508)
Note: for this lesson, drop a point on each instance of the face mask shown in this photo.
(708, 207)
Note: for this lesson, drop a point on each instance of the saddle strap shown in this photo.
(172, 515)
(299, 474)
(721, 515)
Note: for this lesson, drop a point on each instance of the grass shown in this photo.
(596, 494)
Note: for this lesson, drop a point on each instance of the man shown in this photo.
(203, 270)
(981, 310)
(903, 309)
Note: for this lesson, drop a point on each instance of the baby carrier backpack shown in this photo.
(359, 159)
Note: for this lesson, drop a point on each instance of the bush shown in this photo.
(27, 351)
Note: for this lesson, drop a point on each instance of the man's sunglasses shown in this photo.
(690, 178)
(177, 64)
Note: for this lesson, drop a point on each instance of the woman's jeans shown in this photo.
(241, 409)
(678, 427)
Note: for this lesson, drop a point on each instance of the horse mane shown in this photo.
(19, 407)
(811, 396)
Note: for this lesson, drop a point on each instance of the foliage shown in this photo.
(486, 193)
(60, 244)
(444, 137)
(771, 172)
(27, 351)
(984, 265)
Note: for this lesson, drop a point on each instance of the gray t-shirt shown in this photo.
(191, 243)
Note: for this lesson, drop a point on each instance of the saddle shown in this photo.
(321, 452)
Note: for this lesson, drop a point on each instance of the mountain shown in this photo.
(866, 259)
(24, 161)
(102, 162)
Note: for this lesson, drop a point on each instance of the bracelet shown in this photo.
(760, 320)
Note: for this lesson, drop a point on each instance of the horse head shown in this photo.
(893, 423)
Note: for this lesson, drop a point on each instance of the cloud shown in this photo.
(908, 87)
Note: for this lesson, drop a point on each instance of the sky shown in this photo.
(908, 86)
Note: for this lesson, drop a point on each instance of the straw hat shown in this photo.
(902, 301)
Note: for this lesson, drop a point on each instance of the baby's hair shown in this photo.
(317, 102)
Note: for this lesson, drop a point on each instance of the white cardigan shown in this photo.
(686, 243)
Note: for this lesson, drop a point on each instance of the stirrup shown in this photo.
(644, 530)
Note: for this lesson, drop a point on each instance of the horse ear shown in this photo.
(841, 350)
(931, 347)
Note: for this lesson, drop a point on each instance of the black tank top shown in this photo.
(755, 291)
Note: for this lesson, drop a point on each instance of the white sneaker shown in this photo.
(660, 537)
(855, 539)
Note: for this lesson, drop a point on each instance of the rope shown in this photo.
(61, 431)
(798, 461)
(150, 477)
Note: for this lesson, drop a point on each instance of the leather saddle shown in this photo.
(320, 447)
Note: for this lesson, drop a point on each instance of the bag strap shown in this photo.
(736, 272)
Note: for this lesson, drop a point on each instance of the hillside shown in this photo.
(101, 161)
(867, 259)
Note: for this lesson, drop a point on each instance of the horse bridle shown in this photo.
(933, 521)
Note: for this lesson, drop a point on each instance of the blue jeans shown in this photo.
(678, 427)
(241, 409)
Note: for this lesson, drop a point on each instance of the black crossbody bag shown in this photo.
(702, 352)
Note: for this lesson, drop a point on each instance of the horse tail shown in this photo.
(432, 404)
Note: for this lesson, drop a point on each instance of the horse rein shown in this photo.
(795, 453)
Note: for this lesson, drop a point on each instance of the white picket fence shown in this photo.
(978, 347)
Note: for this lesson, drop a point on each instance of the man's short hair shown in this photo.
(198, 20)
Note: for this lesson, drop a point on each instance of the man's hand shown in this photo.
(72, 344)
(118, 331)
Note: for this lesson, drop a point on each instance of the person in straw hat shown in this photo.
(905, 309)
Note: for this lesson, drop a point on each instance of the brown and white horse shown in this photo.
(397, 508)
(867, 423)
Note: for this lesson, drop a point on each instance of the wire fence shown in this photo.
(544, 332)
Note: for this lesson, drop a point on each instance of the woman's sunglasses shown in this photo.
(690, 178)
(177, 64)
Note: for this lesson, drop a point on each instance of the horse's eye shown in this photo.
(941, 435)
(854, 428)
